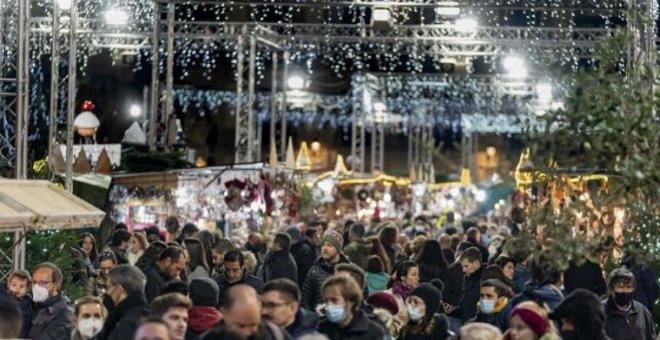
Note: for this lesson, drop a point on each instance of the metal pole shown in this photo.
(240, 65)
(283, 106)
(71, 103)
(54, 81)
(23, 89)
(252, 156)
(381, 146)
(155, 90)
(273, 105)
(169, 80)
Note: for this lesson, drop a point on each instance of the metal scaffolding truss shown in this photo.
(14, 84)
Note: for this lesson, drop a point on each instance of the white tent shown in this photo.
(40, 205)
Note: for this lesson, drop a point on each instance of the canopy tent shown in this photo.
(27, 205)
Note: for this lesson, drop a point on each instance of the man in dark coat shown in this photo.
(359, 249)
(471, 262)
(119, 245)
(236, 273)
(127, 303)
(171, 262)
(280, 305)
(544, 285)
(474, 237)
(280, 264)
(324, 267)
(53, 314)
(240, 308)
(303, 253)
(647, 288)
(494, 305)
(627, 319)
(587, 276)
(204, 314)
(581, 316)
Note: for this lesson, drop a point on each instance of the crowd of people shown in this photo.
(409, 280)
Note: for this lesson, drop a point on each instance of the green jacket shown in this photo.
(358, 252)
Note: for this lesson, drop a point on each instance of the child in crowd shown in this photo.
(19, 284)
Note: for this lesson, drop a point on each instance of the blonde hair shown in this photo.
(141, 239)
(89, 300)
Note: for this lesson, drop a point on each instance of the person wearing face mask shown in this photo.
(626, 317)
(343, 318)
(89, 318)
(494, 305)
(53, 314)
(425, 319)
(125, 289)
(581, 316)
(404, 280)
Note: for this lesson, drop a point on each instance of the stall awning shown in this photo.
(37, 205)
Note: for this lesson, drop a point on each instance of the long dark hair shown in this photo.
(208, 239)
(378, 249)
(430, 255)
(196, 253)
(94, 254)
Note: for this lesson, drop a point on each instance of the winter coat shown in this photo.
(428, 273)
(120, 255)
(156, 279)
(588, 276)
(311, 291)
(449, 255)
(470, 295)
(304, 255)
(200, 320)
(635, 324)
(437, 329)
(122, 322)
(246, 279)
(453, 285)
(25, 305)
(306, 323)
(358, 252)
(52, 319)
(198, 273)
(360, 328)
(521, 276)
(543, 294)
(646, 290)
(279, 265)
(134, 257)
(376, 282)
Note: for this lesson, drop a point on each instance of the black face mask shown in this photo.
(623, 299)
(568, 335)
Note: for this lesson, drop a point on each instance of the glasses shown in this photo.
(43, 283)
(273, 305)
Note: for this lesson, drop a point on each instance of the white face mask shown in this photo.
(90, 327)
(39, 293)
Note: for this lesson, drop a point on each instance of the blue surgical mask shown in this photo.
(414, 314)
(487, 306)
(335, 313)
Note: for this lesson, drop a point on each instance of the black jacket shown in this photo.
(52, 319)
(470, 295)
(588, 276)
(646, 289)
(156, 279)
(428, 273)
(246, 279)
(25, 305)
(306, 323)
(304, 255)
(635, 324)
(437, 329)
(454, 287)
(311, 290)
(122, 321)
(360, 328)
(449, 256)
(120, 255)
(279, 265)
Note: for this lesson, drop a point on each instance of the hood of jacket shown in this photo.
(203, 318)
(377, 280)
(545, 293)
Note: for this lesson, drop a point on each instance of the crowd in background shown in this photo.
(409, 279)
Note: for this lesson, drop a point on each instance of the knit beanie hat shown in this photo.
(335, 239)
(432, 295)
(294, 232)
(535, 321)
(204, 292)
(384, 301)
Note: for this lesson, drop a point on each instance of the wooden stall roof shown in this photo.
(38, 205)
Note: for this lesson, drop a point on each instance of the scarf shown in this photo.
(401, 289)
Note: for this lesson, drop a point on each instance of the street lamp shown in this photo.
(116, 17)
(515, 66)
(135, 110)
(296, 83)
